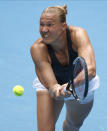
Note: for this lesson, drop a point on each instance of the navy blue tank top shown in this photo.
(62, 72)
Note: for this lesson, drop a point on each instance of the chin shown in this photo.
(47, 41)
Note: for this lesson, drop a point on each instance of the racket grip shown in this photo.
(75, 95)
(68, 86)
(72, 90)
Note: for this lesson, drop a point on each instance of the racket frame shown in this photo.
(71, 82)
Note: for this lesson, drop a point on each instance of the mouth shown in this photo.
(45, 36)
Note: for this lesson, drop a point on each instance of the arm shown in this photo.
(83, 47)
(43, 68)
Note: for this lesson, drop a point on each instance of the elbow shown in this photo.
(92, 72)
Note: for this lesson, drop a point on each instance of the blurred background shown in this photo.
(19, 28)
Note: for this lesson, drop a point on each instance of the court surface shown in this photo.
(19, 28)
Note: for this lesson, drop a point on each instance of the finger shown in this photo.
(65, 85)
(62, 92)
(67, 93)
(57, 92)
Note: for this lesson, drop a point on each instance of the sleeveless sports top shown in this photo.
(62, 72)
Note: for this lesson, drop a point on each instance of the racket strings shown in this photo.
(79, 76)
(78, 79)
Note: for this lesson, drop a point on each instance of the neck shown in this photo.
(60, 44)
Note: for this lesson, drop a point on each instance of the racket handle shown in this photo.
(68, 86)
(72, 90)
(75, 95)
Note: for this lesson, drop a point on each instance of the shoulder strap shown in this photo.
(69, 45)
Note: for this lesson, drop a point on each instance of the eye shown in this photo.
(41, 24)
(50, 24)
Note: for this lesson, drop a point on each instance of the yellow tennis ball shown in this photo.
(18, 90)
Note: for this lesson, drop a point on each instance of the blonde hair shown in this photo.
(60, 10)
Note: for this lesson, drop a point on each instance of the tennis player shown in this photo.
(51, 59)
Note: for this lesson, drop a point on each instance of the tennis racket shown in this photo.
(79, 69)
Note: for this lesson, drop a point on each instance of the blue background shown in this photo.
(19, 28)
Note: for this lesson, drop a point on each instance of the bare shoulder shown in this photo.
(79, 36)
(39, 51)
(77, 32)
(38, 46)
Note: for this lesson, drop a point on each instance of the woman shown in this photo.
(51, 58)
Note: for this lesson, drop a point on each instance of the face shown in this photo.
(51, 28)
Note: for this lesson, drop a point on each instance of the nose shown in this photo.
(44, 29)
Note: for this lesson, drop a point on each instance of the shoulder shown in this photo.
(38, 45)
(77, 31)
(79, 36)
(39, 51)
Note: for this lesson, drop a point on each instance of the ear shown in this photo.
(64, 25)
